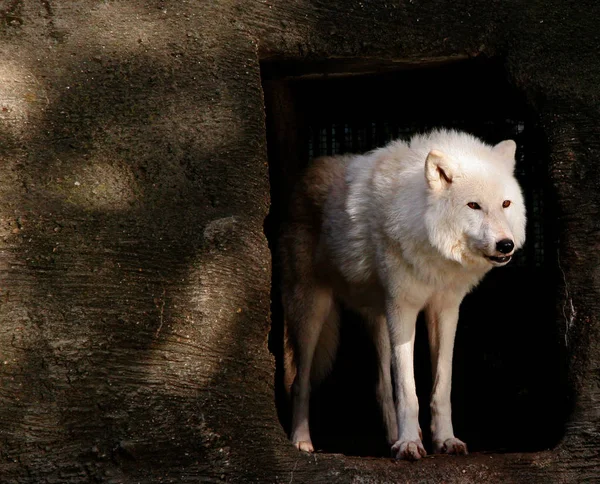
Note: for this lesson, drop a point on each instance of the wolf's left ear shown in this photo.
(507, 150)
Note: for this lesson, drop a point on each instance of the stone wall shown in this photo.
(134, 271)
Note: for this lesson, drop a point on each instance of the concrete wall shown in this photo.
(135, 275)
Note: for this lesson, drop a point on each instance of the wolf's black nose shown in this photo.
(505, 246)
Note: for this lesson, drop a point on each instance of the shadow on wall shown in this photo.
(127, 260)
(507, 363)
(119, 352)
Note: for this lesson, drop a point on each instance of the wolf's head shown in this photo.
(475, 213)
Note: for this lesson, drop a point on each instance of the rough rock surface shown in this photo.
(134, 272)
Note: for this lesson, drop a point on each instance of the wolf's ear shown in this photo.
(438, 171)
(507, 150)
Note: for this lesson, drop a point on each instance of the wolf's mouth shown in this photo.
(499, 260)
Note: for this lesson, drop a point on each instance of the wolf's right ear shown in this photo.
(438, 171)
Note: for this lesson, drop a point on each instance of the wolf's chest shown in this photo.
(420, 275)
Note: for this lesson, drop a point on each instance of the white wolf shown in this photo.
(407, 227)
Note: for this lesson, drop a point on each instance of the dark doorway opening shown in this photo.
(509, 391)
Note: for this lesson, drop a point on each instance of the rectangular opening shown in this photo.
(507, 353)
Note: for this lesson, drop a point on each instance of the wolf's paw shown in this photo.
(452, 446)
(408, 450)
(304, 445)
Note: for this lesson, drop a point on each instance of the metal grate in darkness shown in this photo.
(340, 138)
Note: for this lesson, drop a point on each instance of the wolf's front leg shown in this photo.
(442, 318)
(401, 319)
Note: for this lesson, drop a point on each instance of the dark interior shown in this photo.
(509, 384)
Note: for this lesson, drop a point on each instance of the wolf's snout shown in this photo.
(505, 246)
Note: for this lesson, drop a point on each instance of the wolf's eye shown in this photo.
(474, 205)
(506, 203)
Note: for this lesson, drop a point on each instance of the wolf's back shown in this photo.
(321, 177)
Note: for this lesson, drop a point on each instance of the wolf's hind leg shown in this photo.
(327, 346)
(305, 318)
(385, 396)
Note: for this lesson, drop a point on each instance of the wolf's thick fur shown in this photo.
(404, 228)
